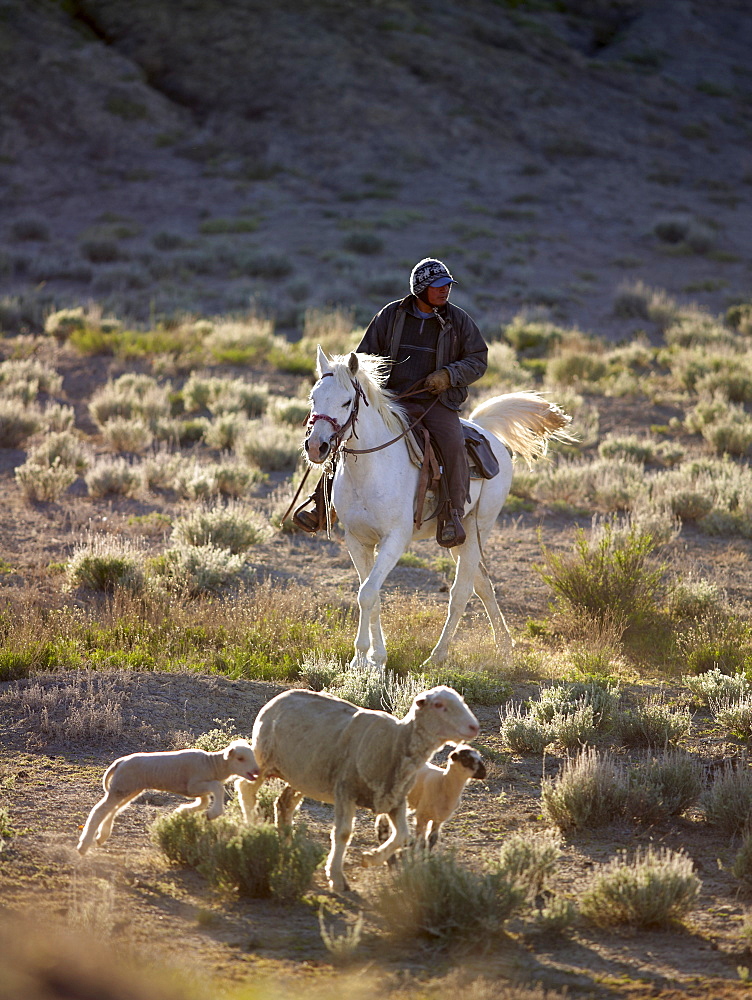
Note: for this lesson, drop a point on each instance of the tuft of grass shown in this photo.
(17, 423)
(653, 889)
(742, 866)
(530, 859)
(104, 562)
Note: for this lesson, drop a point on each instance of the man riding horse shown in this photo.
(436, 347)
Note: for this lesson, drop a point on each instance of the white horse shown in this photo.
(373, 491)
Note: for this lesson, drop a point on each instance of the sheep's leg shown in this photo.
(344, 818)
(247, 792)
(484, 588)
(433, 836)
(98, 815)
(210, 796)
(105, 829)
(399, 837)
(285, 806)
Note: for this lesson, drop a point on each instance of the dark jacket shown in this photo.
(460, 348)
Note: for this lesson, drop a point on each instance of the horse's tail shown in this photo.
(525, 422)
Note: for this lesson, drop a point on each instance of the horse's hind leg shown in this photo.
(468, 557)
(485, 590)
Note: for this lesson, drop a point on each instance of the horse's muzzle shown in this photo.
(317, 451)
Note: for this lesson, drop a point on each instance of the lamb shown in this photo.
(193, 773)
(333, 751)
(437, 791)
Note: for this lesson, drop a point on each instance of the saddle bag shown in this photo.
(483, 462)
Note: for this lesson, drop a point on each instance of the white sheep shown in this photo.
(197, 774)
(333, 751)
(437, 791)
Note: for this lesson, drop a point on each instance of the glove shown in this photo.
(438, 381)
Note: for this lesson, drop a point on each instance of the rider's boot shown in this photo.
(449, 530)
(314, 520)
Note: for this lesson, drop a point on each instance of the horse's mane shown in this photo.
(372, 374)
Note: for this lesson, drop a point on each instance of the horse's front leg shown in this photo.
(370, 647)
(369, 642)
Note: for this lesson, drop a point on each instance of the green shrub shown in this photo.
(608, 574)
(430, 896)
(112, 475)
(714, 686)
(591, 789)
(105, 562)
(653, 889)
(735, 717)
(253, 861)
(270, 446)
(198, 569)
(716, 643)
(664, 786)
(651, 724)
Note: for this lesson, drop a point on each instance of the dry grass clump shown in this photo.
(129, 397)
(104, 562)
(333, 329)
(269, 446)
(568, 715)
(651, 723)
(63, 447)
(636, 300)
(23, 379)
(220, 395)
(224, 431)
(530, 859)
(233, 526)
(723, 642)
(44, 482)
(240, 342)
(17, 422)
(666, 785)
(653, 889)
(253, 861)
(84, 705)
(742, 866)
(113, 475)
(727, 803)
(127, 434)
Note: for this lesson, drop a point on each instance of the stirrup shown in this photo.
(307, 520)
(450, 531)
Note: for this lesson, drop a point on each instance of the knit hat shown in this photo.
(427, 272)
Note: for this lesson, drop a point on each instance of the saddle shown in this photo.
(481, 459)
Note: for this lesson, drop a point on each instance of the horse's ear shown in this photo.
(352, 363)
(322, 362)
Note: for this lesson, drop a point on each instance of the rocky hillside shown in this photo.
(163, 156)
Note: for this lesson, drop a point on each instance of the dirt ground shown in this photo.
(129, 895)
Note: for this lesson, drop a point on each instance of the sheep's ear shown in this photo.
(420, 701)
(322, 362)
(230, 751)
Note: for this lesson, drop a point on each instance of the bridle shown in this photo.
(339, 429)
